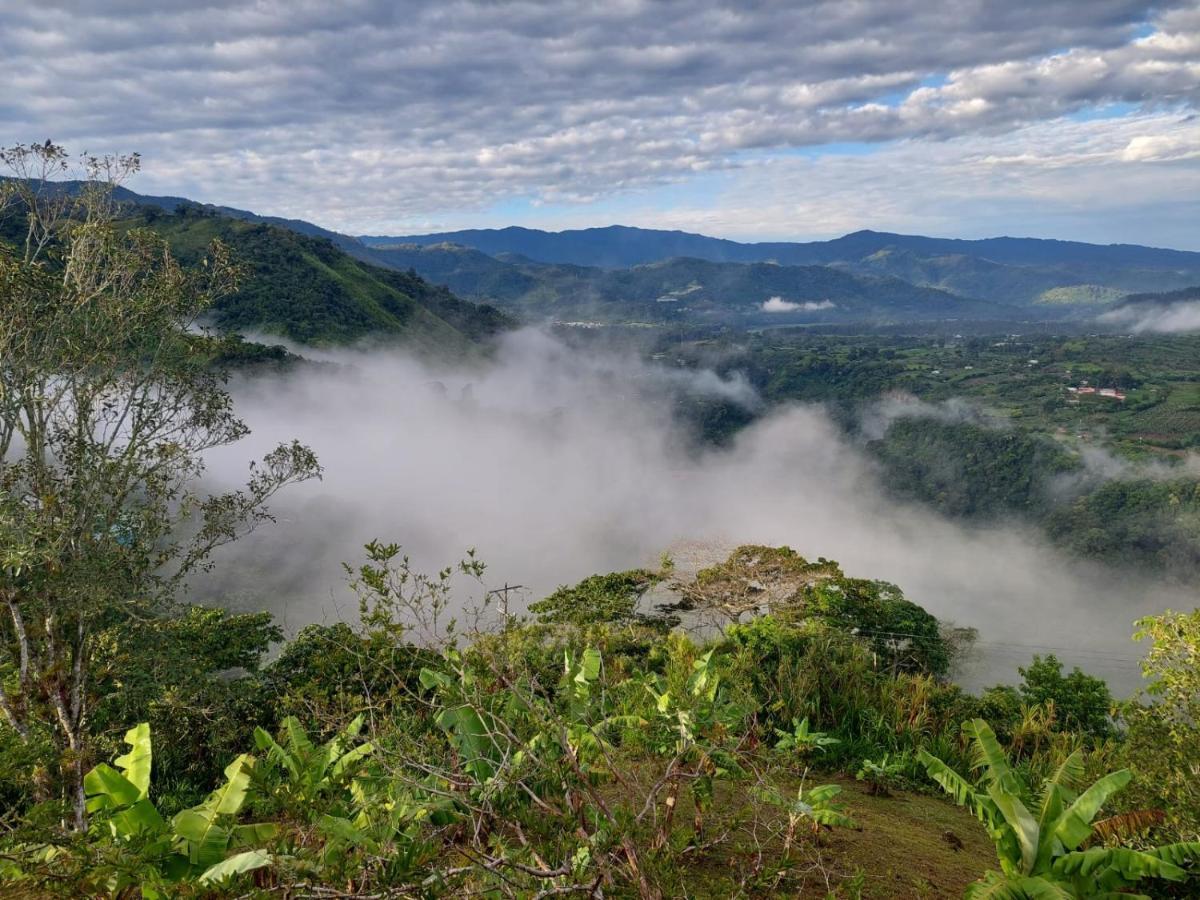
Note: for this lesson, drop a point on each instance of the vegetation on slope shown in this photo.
(679, 289)
(988, 427)
(1000, 270)
(306, 289)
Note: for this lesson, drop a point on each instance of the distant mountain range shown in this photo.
(678, 288)
(620, 246)
(311, 283)
(1011, 271)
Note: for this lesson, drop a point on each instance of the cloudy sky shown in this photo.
(749, 119)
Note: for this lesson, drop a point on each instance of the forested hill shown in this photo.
(1002, 270)
(584, 271)
(307, 289)
(619, 246)
(695, 289)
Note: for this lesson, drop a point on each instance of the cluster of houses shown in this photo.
(1085, 388)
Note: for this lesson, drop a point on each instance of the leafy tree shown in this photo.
(1163, 737)
(905, 636)
(104, 422)
(1038, 832)
(193, 676)
(1082, 702)
(610, 599)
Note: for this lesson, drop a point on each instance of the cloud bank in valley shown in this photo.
(1178, 317)
(779, 305)
(557, 464)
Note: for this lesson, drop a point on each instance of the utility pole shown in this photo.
(502, 593)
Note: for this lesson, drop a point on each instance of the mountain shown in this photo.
(617, 272)
(1008, 270)
(681, 287)
(299, 284)
(307, 289)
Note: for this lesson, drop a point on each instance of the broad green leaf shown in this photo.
(989, 755)
(347, 832)
(141, 818)
(347, 761)
(298, 741)
(431, 678)
(1181, 854)
(254, 834)
(203, 840)
(1130, 865)
(1021, 823)
(227, 800)
(236, 865)
(954, 784)
(995, 886)
(1075, 824)
(276, 753)
(591, 664)
(1069, 773)
(107, 788)
(135, 765)
(469, 734)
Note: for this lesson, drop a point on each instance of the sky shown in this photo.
(1073, 119)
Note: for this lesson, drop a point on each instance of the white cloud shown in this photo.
(1161, 317)
(557, 464)
(1062, 178)
(364, 115)
(779, 305)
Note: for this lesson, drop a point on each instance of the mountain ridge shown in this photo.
(557, 246)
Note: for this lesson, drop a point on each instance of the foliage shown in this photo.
(611, 599)
(307, 289)
(1082, 702)
(800, 740)
(883, 775)
(1038, 831)
(964, 469)
(312, 771)
(104, 424)
(135, 846)
(905, 636)
(816, 807)
(1163, 736)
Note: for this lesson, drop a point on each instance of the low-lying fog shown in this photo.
(555, 464)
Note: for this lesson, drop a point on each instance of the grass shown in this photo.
(905, 847)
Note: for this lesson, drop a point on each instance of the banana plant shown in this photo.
(202, 844)
(801, 739)
(312, 770)
(817, 807)
(703, 720)
(1038, 832)
(882, 775)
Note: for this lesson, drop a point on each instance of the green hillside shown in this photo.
(696, 289)
(306, 289)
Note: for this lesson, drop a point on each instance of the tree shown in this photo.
(1082, 702)
(1038, 833)
(1163, 738)
(610, 599)
(105, 416)
(902, 634)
